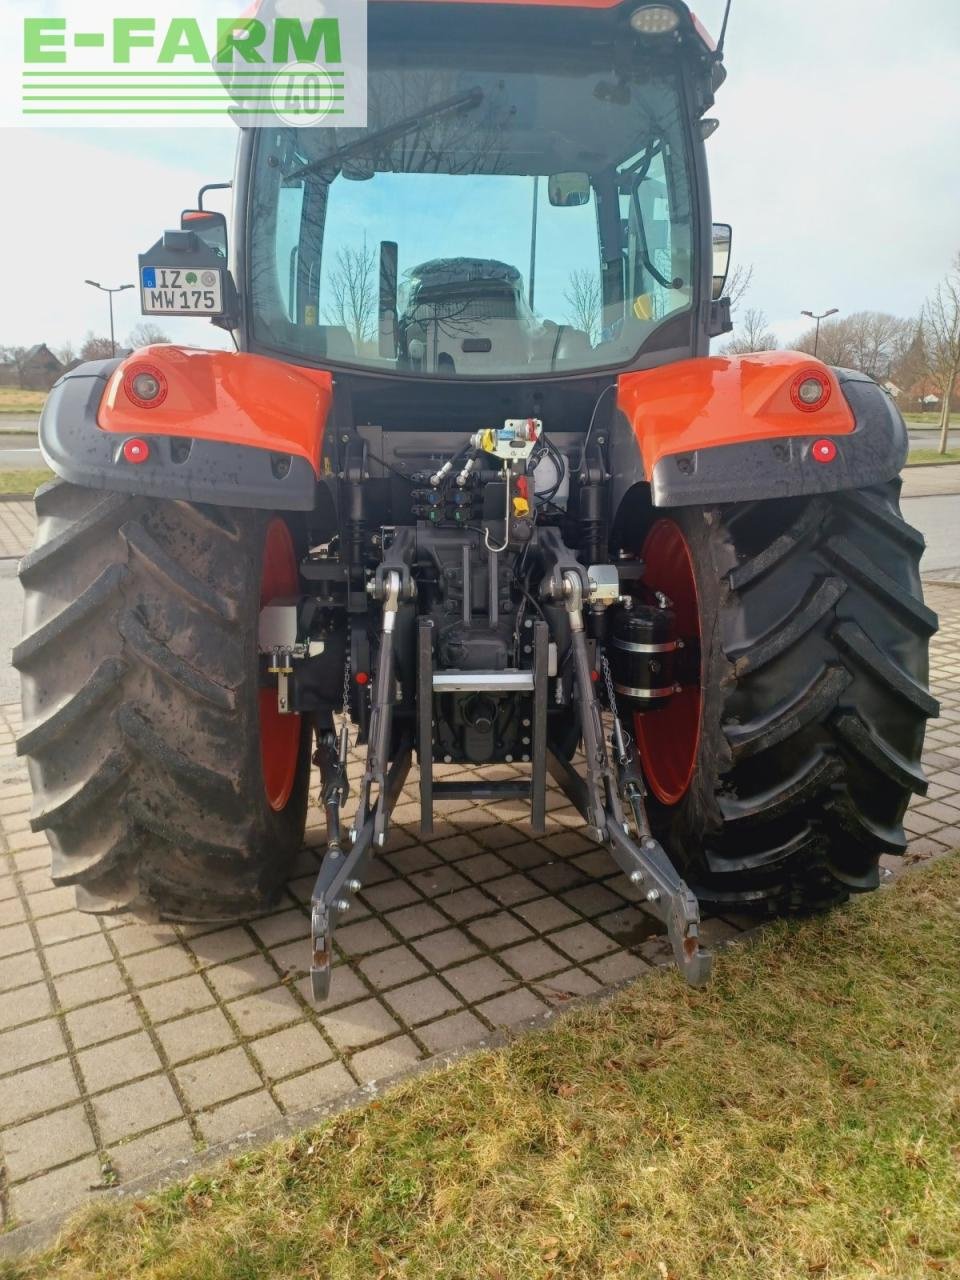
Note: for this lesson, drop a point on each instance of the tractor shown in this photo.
(471, 491)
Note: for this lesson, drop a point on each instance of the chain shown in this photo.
(345, 709)
(622, 740)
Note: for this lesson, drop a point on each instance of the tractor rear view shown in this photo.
(471, 490)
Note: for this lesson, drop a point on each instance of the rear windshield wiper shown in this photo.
(460, 102)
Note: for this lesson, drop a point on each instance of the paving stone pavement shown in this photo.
(17, 526)
(125, 1046)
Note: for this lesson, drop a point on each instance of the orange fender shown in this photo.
(724, 400)
(230, 397)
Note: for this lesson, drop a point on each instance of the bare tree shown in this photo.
(146, 334)
(942, 316)
(66, 354)
(833, 345)
(912, 368)
(872, 341)
(583, 298)
(753, 334)
(738, 282)
(95, 348)
(352, 294)
(16, 356)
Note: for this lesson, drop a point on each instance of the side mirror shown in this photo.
(210, 227)
(568, 190)
(722, 237)
(387, 327)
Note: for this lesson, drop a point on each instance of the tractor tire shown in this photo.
(812, 702)
(160, 773)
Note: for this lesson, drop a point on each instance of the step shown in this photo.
(509, 681)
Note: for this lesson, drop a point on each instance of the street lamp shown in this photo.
(822, 316)
(110, 292)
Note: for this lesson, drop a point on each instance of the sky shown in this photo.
(837, 162)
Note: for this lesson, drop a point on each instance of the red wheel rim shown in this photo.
(279, 734)
(668, 739)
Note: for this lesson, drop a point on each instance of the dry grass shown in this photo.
(932, 455)
(24, 483)
(801, 1117)
(13, 400)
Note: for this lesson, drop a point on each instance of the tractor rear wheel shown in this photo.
(166, 781)
(783, 777)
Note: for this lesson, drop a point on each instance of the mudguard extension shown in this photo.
(235, 430)
(727, 431)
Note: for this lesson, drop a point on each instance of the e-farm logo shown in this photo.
(129, 66)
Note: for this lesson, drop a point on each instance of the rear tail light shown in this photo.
(809, 391)
(145, 385)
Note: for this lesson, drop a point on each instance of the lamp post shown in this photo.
(822, 316)
(110, 292)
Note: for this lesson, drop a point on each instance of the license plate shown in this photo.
(171, 291)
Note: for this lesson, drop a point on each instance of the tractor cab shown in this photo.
(526, 200)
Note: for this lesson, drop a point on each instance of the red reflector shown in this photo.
(823, 451)
(136, 451)
(362, 678)
(594, 676)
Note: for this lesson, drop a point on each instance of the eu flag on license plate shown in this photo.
(149, 278)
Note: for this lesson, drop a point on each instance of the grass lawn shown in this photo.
(800, 1117)
(932, 455)
(13, 400)
(24, 482)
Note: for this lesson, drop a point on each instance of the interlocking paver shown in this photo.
(118, 1061)
(172, 999)
(421, 1001)
(23, 1046)
(243, 1115)
(516, 1006)
(264, 1010)
(387, 968)
(28, 1093)
(455, 1032)
(215, 1079)
(358, 1024)
(533, 959)
(196, 1034)
(560, 918)
(385, 1059)
(17, 971)
(81, 953)
(499, 930)
(152, 1150)
(222, 945)
(96, 1022)
(313, 1088)
(24, 1005)
(50, 1140)
(159, 966)
(242, 977)
(135, 1107)
(50, 1192)
(446, 948)
(479, 978)
(290, 1050)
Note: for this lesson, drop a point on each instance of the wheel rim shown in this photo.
(669, 739)
(279, 734)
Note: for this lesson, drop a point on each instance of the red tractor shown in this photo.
(472, 482)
